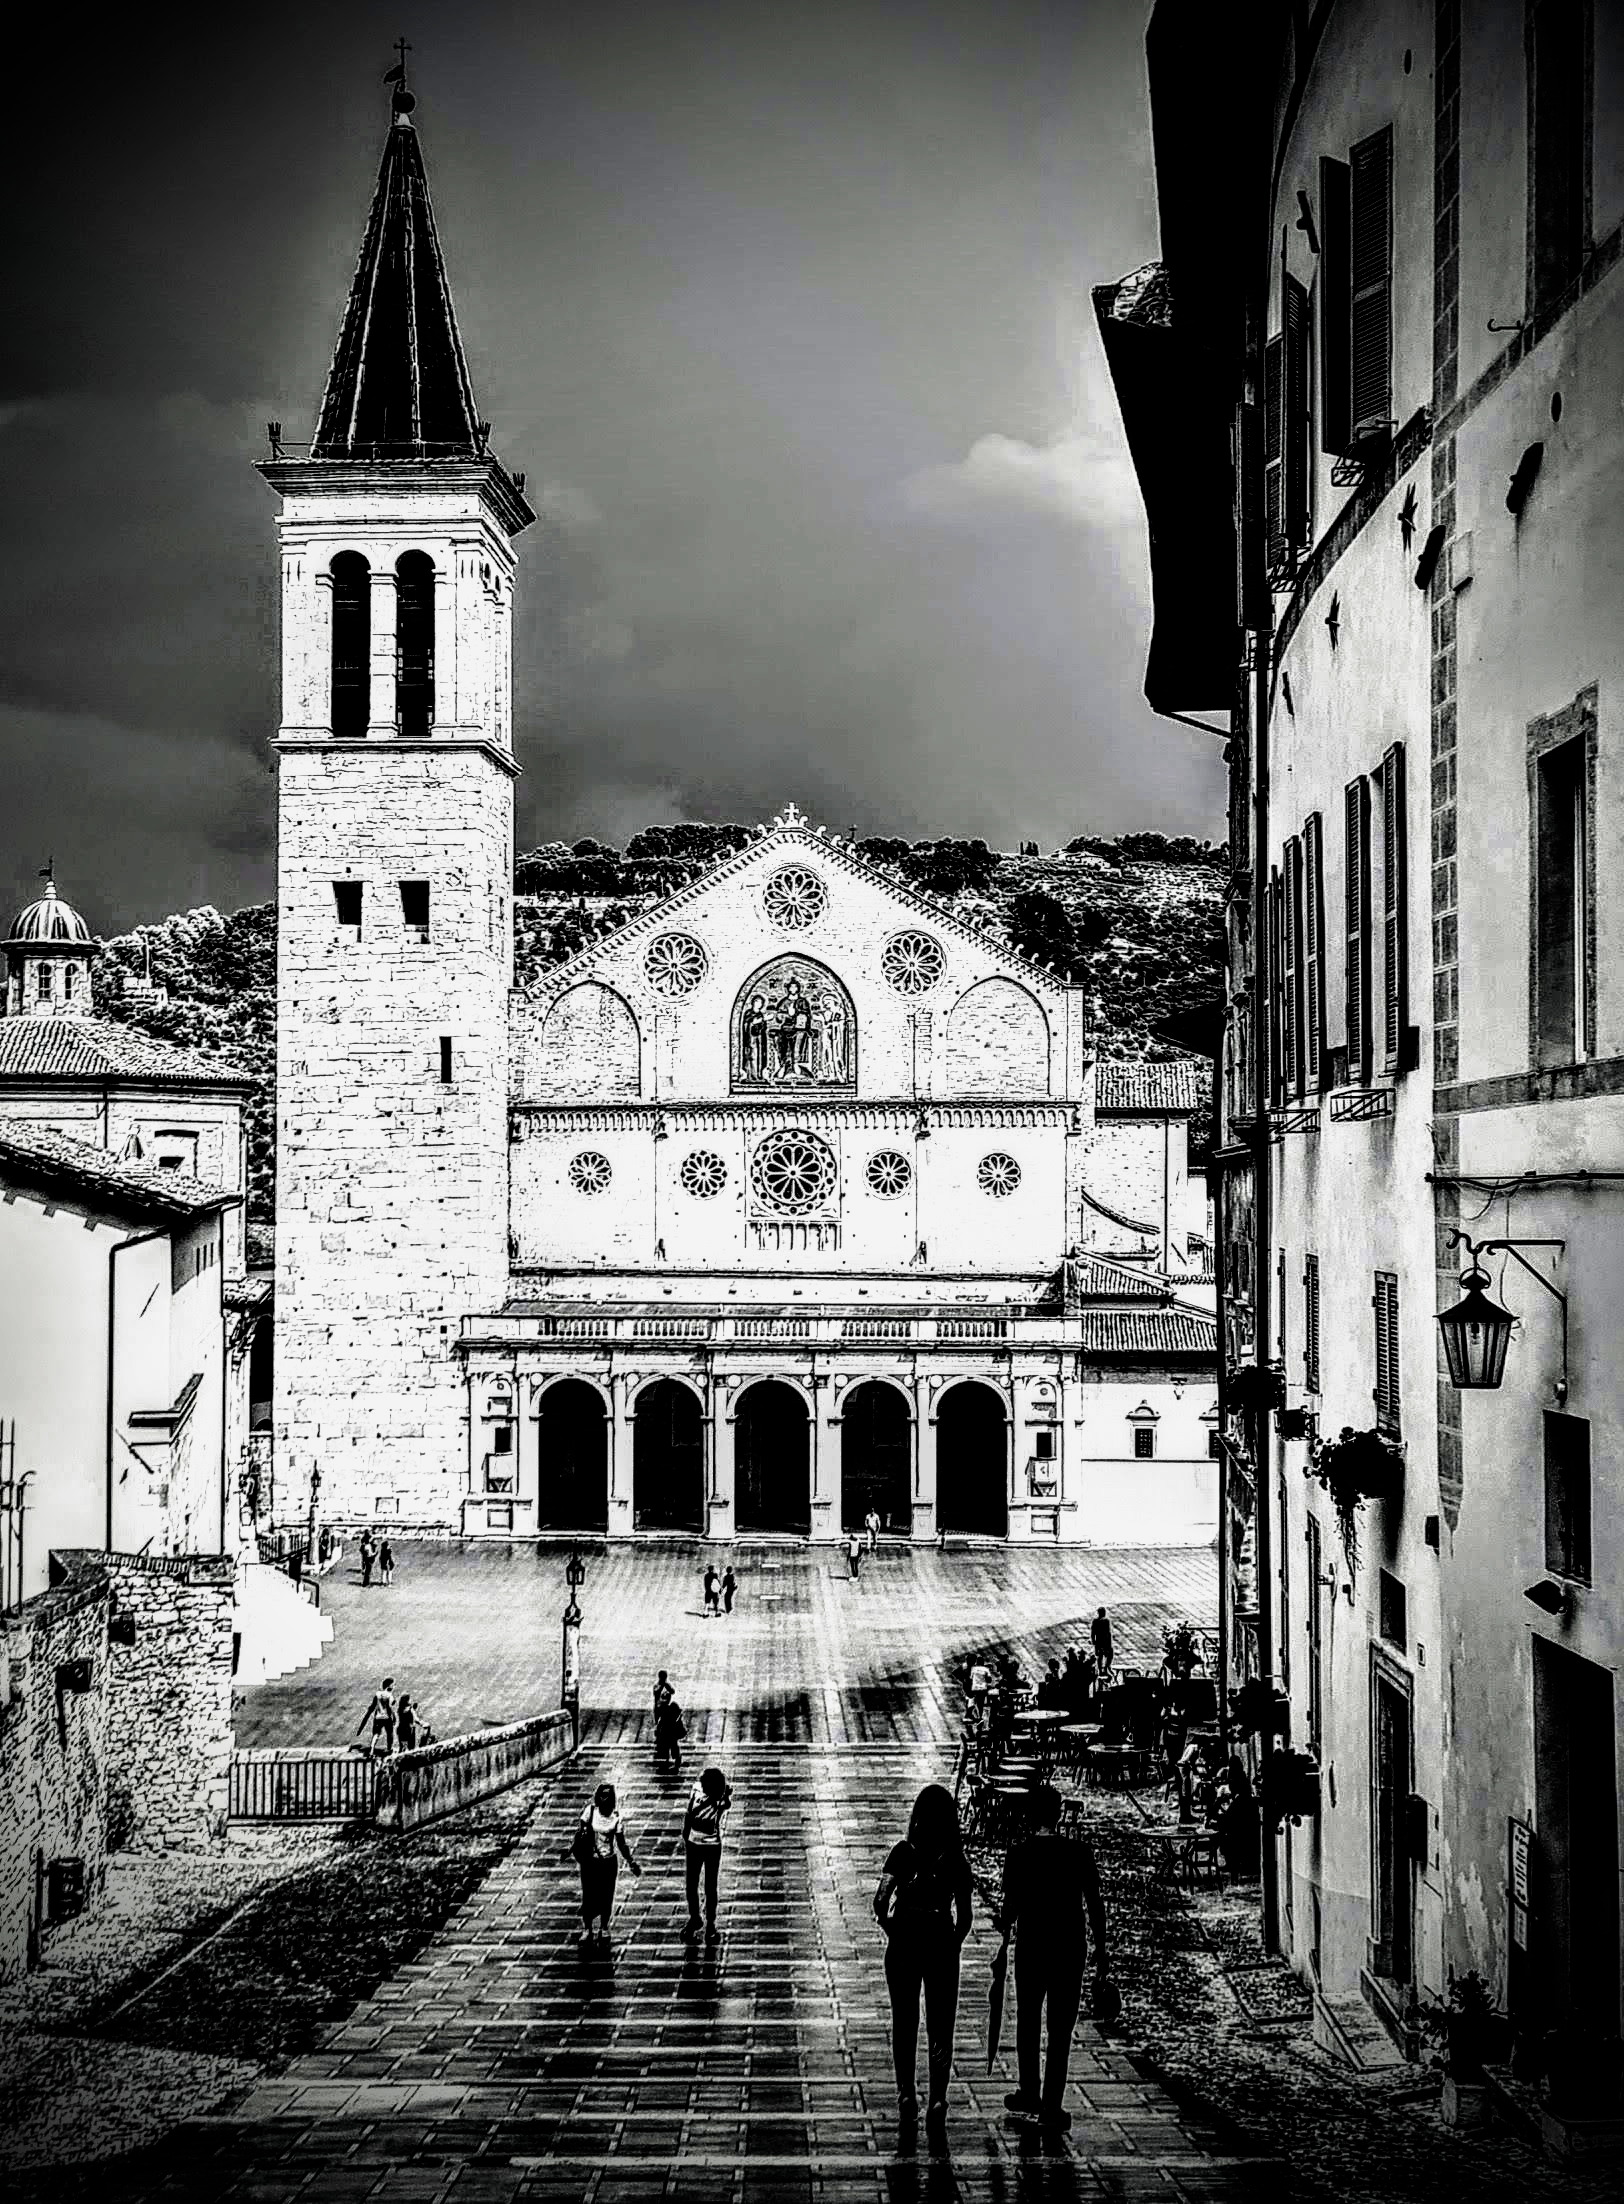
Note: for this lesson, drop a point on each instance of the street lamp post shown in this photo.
(310, 1527)
(570, 1683)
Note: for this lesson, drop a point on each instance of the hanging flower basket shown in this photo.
(1354, 1467)
(1292, 1423)
(1255, 1388)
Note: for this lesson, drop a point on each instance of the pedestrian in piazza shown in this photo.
(369, 1554)
(1050, 1883)
(980, 1683)
(597, 1847)
(730, 1587)
(386, 1563)
(380, 1715)
(854, 1554)
(871, 1525)
(669, 1731)
(713, 1586)
(924, 1905)
(1099, 1631)
(406, 1737)
(663, 1690)
(702, 1848)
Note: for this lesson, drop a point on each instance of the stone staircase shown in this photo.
(279, 1630)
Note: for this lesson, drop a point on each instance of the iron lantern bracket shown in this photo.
(1476, 1249)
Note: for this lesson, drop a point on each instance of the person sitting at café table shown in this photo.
(1050, 1691)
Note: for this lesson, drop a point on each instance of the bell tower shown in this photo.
(394, 884)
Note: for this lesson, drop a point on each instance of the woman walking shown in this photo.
(669, 1731)
(702, 1845)
(923, 1903)
(599, 1836)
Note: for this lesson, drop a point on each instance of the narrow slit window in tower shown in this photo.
(347, 905)
(414, 908)
(352, 645)
(445, 1059)
(414, 643)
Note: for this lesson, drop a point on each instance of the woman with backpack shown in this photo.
(923, 1903)
(599, 1835)
(669, 1731)
(702, 1845)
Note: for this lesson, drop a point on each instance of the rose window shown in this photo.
(589, 1172)
(795, 897)
(793, 1172)
(913, 963)
(675, 964)
(888, 1173)
(998, 1175)
(703, 1174)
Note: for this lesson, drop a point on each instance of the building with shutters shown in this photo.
(791, 1198)
(1386, 535)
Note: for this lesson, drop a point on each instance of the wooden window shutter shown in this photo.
(1296, 426)
(1276, 1036)
(1395, 909)
(1371, 265)
(1252, 599)
(1274, 492)
(1311, 1323)
(1291, 967)
(1335, 284)
(1313, 958)
(1357, 927)
(1558, 149)
(1387, 1377)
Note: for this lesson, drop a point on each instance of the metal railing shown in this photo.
(302, 1786)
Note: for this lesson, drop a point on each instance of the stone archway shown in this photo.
(668, 1458)
(772, 1454)
(876, 1457)
(572, 1454)
(972, 1461)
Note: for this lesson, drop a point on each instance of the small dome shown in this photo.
(50, 920)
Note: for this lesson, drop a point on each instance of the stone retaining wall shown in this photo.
(415, 1787)
(169, 1739)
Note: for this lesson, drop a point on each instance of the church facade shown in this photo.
(791, 1199)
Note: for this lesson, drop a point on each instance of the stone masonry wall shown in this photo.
(169, 1733)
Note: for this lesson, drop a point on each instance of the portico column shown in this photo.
(381, 692)
(719, 1468)
(622, 1433)
(824, 1465)
(924, 1463)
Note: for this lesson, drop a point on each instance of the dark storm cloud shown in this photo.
(786, 316)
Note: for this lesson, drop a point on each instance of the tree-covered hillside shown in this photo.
(1135, 919)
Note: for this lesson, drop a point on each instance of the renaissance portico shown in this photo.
(793, 1196)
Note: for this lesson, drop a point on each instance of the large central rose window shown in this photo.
(793, 1172)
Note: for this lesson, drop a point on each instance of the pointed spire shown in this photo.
(399, 386)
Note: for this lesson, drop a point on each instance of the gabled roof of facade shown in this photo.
(51, 1162)
(1152, 1090)
(399, 386)
(98, 1050)
(788, 831)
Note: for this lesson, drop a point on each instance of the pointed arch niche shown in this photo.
(794, 1029)
(997, 1041)
(589, 1047)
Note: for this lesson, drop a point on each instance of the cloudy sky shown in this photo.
(784, 311)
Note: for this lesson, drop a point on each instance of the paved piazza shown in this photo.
(502, 2063)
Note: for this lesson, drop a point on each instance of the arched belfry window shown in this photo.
(414, 643)
(352, 645)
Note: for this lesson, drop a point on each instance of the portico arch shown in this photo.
(972, 1460)
(772, 1441)
(668, 1457)
(572, 1458)
(876, 1456)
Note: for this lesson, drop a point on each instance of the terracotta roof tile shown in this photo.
(1153, 1089)
(100, 1049)
(39, 1156)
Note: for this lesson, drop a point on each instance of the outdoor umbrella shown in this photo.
(995, 1999)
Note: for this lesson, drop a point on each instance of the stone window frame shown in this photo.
(1575, 722)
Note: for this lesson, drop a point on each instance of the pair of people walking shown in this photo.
(394, 1726)
(376, 1556)
(924, 1904)
(599, 1844)
(720, 1591)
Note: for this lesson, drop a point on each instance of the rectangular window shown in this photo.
(1385, 1304)
(414, 907)
(1043, 1445)
(1567, 1496)
(1558, 146)
(1313, 953)
(1395, 913)
(1370, 227)
(1291, 927)
(1393, 1609)
(502, 1438)
(347, 903)
(445, 1059)
(1311, 1323)
(1356, 929)
(43, 983)
(1562, 919)
(175, 1151)
(1334, 282)
(1144, 1442)
(1316, 1631)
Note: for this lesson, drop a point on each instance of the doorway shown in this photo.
(1392, 1873)
(668, 1459)
(572, 1459)
(972, 1462)
(772, 1457)
(1574, 1925)
(876, 1457)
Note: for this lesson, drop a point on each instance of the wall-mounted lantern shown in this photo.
(1477, 1331)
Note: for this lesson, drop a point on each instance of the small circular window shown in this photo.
(590, 1173)
(675, 963)
(998, 1175)
(888, 1174)
(913, 963)
(703, 1174)
(794, 897)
